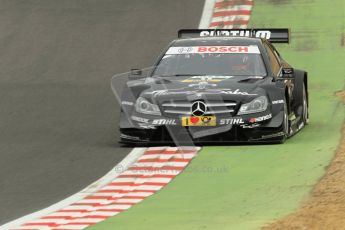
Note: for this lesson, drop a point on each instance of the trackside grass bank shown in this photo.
(244, 187)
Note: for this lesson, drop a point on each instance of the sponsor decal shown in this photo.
(223, 49)
(231, 121)
(259, 119)
(237, 33)
(140, 119)
(199, 121)
(250, 126)
(164, 122)
(172, 92)
(210, 91)
(146, 126)
(237, 92)
(202, 79)
(278, 102)
(182, 50)
(253, 49)
(202, 85)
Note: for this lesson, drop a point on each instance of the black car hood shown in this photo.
(203, 88)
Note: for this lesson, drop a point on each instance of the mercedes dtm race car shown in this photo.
(221, 85)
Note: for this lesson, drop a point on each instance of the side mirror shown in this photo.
(135, 74)
(288, 73)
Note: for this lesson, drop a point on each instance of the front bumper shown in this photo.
(163, 135)
(262, 127)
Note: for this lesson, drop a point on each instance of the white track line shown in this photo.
(206, 14)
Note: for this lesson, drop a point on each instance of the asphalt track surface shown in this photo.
(58, 115)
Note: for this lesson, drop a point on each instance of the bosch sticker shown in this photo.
(213, 49)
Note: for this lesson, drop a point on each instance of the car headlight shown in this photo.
(257, 105)
(143, 106)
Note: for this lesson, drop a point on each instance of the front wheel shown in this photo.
(286, 125)
(305, 113)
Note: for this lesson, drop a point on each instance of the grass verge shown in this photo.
(244, 187)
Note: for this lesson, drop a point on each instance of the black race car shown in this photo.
(221, 86)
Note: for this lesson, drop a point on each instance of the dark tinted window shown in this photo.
(212, 60)
(212, 64)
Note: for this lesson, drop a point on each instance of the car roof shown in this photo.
(217, 41)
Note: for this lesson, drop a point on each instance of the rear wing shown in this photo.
(272, 35)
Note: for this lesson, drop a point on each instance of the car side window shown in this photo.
(275, 65)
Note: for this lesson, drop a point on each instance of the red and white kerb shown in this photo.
(213, 49)
(230, 14)
(151, 172)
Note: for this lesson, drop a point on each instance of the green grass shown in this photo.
(245, 187)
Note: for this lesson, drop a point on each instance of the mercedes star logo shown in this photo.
(198, 108)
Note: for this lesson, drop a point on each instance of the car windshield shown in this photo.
(216, 61)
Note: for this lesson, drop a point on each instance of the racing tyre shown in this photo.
(305, 111)
(286, 125)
